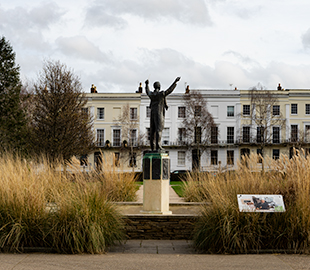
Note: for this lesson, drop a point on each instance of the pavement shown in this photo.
(153, 254)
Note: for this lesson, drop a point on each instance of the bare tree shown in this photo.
(198, 126)
(132, 138)
(60, 126)
(262, 119)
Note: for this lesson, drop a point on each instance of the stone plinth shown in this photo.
(156, 174)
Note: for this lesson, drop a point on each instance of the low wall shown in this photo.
(173, 227)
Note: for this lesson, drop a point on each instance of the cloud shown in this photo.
(81, 47)
(25, 26)
(162, 65)
(39, 17)
(306, 39)
(110, 12)
(246, 61)
(97, 16)
(165, 65)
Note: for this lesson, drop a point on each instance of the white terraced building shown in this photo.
(228, 110)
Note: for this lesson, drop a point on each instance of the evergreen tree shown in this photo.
(12, 117)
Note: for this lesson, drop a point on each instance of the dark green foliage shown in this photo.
(12, 117)
(60, 127)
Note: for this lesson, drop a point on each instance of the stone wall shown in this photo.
(175, 227)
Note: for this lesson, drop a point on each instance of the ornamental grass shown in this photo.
(43, 207)
(223, 229)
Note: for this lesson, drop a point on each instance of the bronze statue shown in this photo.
(158, 106)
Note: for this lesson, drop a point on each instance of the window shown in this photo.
(133, 113)
(165, 136)
(276, 110)
(148, 134)
(260, 155)
(276, 153)
(98, 161)
(307, 133)
(246, 109)
(260, 135)
(116, 159)
(181, 158)
(276, 134)
(100, 137)
(84, 160)
(148, 111)
(197, 134)
(230, 134)
(85, 111)
(133, 137)
(246, 134)
(307, 108)
(294, 109)
(181, 134)
(214, 133)
(116, 137)
(214, 157)
(294, 133)
(230, 157)
(245, 152)
(230, 111)
(133, 160)
(100, 113)
(181, 112)
(197, 110)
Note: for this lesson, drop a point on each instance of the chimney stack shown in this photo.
(187, 89)
(140, 88)
(93, 89)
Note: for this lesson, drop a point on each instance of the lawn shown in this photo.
(178, 187)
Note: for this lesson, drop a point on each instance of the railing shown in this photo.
(218, 143)
(117, 144)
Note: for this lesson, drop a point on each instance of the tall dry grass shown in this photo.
(42, 207)
(223, 229)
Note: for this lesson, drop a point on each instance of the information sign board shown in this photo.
(260, 203)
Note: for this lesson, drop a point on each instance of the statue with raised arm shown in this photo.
(158, 106)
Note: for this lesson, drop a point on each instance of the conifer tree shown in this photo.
(12, 117)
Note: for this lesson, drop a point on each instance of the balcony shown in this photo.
(184, 143)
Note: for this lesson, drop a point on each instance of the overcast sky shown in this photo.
(211, 44)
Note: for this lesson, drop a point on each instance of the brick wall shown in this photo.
(175, 227)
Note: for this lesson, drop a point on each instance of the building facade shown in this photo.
(242, 127)
(116, 129)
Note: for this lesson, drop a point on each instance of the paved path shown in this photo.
(173, 197)
(153, 255)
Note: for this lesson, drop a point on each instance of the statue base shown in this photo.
(156, 175)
